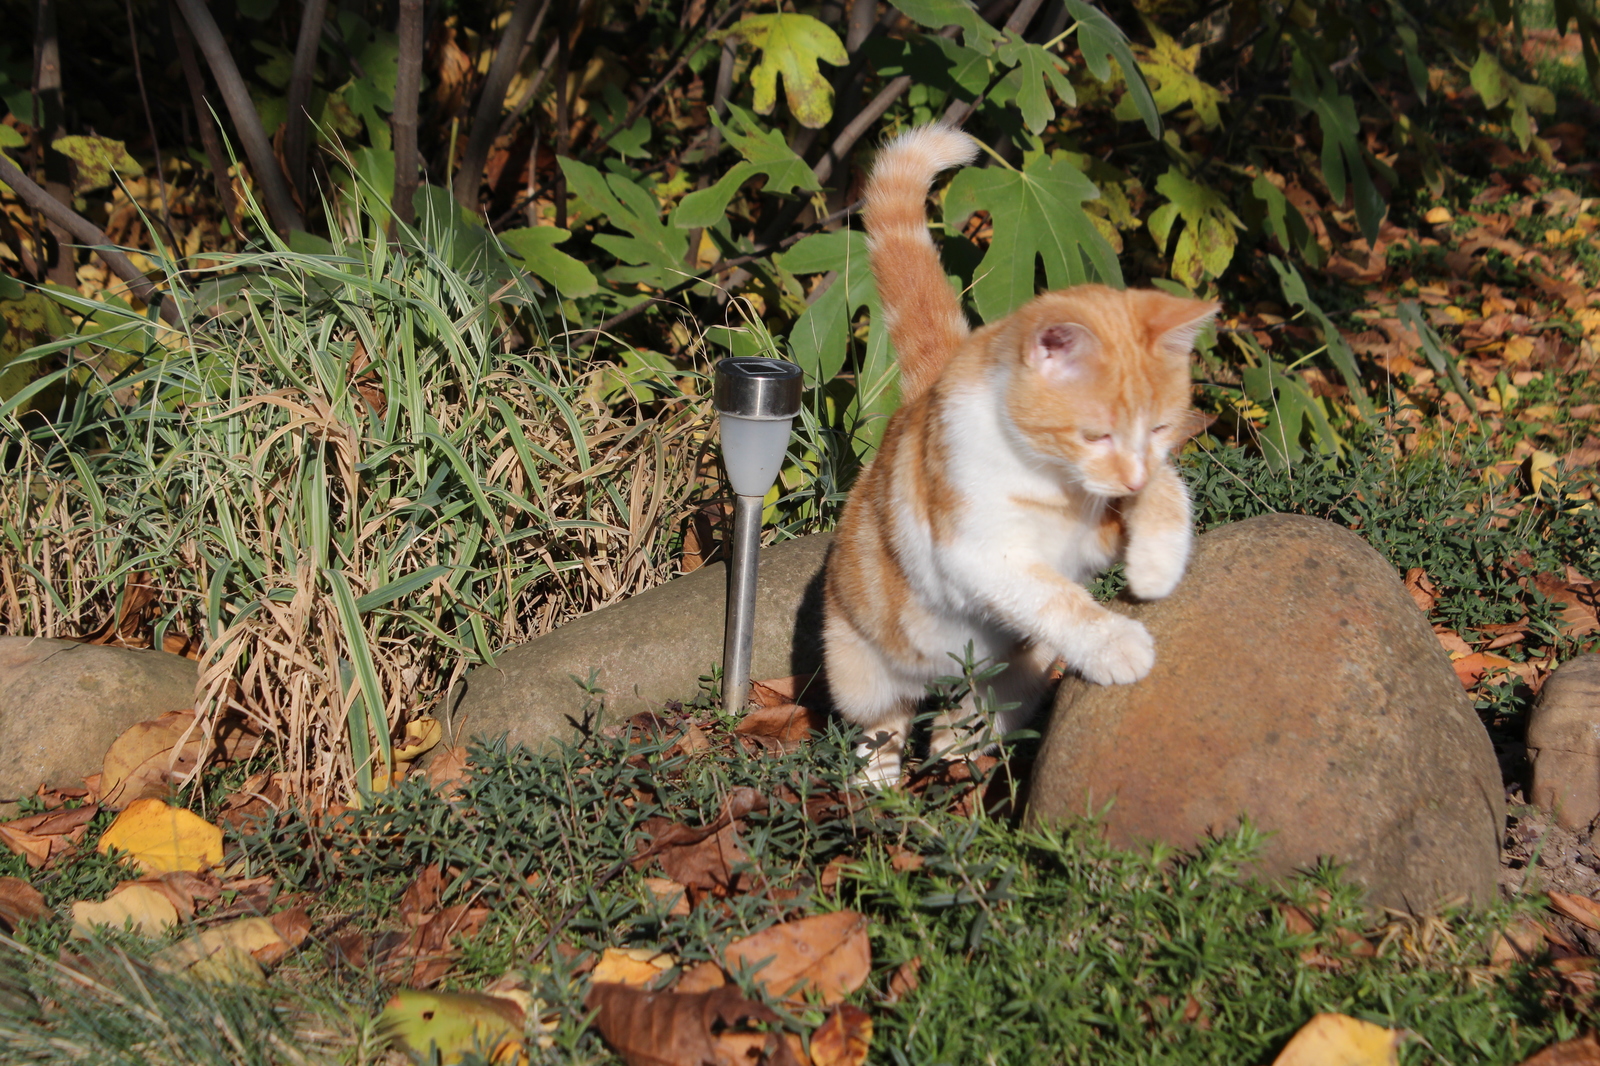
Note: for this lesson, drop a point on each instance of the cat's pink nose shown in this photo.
(1134, 485)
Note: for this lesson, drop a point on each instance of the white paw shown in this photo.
(1152, 575)
(882, 753)
(1117, 651)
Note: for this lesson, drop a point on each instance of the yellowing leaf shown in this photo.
(1339, 1040)
(162, 838)
(1542, 470)
(454, 1023)
(637, 967)
(1517, 350)
(226, 954)
(421, 735)
(149, 758)
(1436, 215)
(151, 911)
(96, 158)
(792, 45)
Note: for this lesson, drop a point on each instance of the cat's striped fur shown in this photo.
(1027, 456)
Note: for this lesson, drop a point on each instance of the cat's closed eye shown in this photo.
(1095, 438)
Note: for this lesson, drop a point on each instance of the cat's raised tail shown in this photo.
(922, 312)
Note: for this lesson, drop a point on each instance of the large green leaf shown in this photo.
(1037, 215)
(1496, 86)
(820, 339)
(765, 152)
(1294, 290)
(624, 205)
(1100, 41)
(1343, 163)
(535, 246)
(1035, 66)
(1291, 410)
(937, 14)
(792, 45)
(932, 61)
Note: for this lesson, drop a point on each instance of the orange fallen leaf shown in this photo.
(701, 977)
(669, 893)
(1579, 908)
(785, 725)
(163, 838)
(828, 954)
(1580, 1051)
(905, 980)
(843, 1039)
(635, 967)
(1340, 1040)
(1472, 668)
(150, 758)
(674, 1029)
(20, 902)
(1422, 589)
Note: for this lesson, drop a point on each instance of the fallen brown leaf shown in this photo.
(1580, 1051)
(35, 849)
(677, 1029)
(421, 898)
(904, 981)
(828, 954)
(20, 902)
(430, 949)
(1579, 908)
(151, 758)
(447, 772)
(786, 724)
(669, 894)
(701, 977)
(294, 926)
(1422, 589)
(843, 1039)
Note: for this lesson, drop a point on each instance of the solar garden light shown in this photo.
(757, 400)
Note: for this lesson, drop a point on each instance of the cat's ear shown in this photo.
(1175, 321)
(1061, 352)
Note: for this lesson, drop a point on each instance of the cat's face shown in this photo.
(1099, 381)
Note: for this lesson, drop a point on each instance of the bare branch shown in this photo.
(88, 233)
(209, 140)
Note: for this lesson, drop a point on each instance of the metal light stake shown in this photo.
(757, 400)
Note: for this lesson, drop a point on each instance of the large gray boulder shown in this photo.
(1564, 743)
(645, 650)
(1297, 683)
(63, 703)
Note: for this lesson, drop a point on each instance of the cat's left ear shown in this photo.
(1175, 321)
(1061, 352)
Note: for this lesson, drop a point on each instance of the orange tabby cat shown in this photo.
(1027, 456)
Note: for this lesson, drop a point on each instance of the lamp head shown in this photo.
(756, 400)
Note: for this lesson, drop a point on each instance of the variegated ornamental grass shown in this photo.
(368, 469)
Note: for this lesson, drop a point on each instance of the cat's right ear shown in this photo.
(1061, 352)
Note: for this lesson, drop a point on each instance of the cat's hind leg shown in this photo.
(868, 691)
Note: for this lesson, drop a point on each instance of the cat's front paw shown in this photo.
(1155, 567)
(1118, 651)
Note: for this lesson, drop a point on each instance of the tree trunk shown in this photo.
(280, 204)
(298, 123)
(209, 138)
(50, 121)
(408, 86)
(522, 28)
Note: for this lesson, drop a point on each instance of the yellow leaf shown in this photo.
(1542, 470)
(151, 911)
(163, 839)
(632, 966)
(1339, 1040)
(1516, 350)
(225, 954)
(455, 1023)
(421, 736)
(1437, 215)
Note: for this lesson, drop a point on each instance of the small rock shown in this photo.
(646, 650)
(1564, 742)
(63, 703)
(1296, 683)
